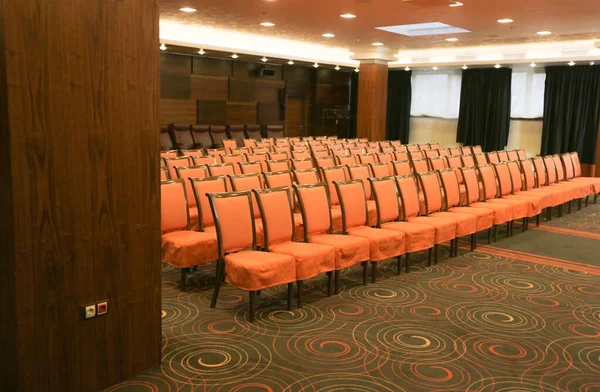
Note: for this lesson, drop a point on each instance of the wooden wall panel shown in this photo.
(212, 112)
(372, 101)
(86, 203)
(177, 111)
(174, 63)
(213, 67)
(242, 90)
(175, 85)
(268, 91)
(241, 113)
(245, 70)
(297, 89)
(209, 87)
(269, 113)
(293, 73)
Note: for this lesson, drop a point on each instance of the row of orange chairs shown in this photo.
(412, 213)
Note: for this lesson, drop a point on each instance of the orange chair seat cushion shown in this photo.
(592, 181)
(445, 229)
(466, 224)
(417, 236)
(252, 270)
(311, 259)
(519, 207)
(502, 212)
(535, 202)
(183, 249)
(545, 198)
(348, 250)
(383, 244)
(556, 196)
(485, 217)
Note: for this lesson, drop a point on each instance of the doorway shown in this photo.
(295, 118)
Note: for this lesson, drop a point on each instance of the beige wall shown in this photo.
(525, 134)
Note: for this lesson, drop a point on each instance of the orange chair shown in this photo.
(560, 195)
(521, 154)
(424, 147)
(277, 215)
(445, 229)
(412, 147)
(362, 172)
(582, 190)
(467, 160)
(466, 150)
(387, 149)
(503, 156)
(346, 160)
(323, 162)
(396, 143)
(381, 169)
(260, 150)
(318, 229)
(329, 175)
(540, 200)
(249, 143)
(308, 176)
(444, 152)
(164, 174)
(233, 159)
(248, 270)
(169, 154)
(466, 224)
(284, 179)
(303, 154)
(185, 173)
(201, 186)
(249, 182)
(278, 156)
(302, 164)
(417, 155)
(279, 165)
(204, 160)
(480, 159)
(473, 195)
(402, 168)
(367, 158)
(417, 236)
(476, 150)
(434, 146)
(172, 163)
(216, 152)
(513, 155)
(438, 163)
(250, 167)
(181, 247)
(573, 173)
(454, 151)
(262, 158)
(432, 154)
(387, 158)
(281, 152)
(492, 157)
(321, 154)
(420, 165)
(401, 156)
(228, 144)
(568, 192)
(192, 153)
(221, 169)
(452, 198)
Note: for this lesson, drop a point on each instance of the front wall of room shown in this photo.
(525, 134)
(202, 90)
(80, 192)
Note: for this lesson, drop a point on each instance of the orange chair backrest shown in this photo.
(476, 150)
(228, 144)
(314, 205)
(521, 154)
(185, 172)
(417, 155)
(192, 153)
(528, 174)
(331, 174)
(279, 165)
(432, 190)
(367, 158)
(449, 178)
(515, 176)
(503, 156)
(492, 157)
(466, 150)
(169, 154)
(432, 153)
(346, 160)
(233, 159)
(402, 168)
(308, 176)
(302, 164)
(504, 181)
(215, 152)
(454, 161)
(278, 156)
(488, 179)
(576, 164)
(360, 172)
(300, 154)
(356, 151)
(568, 165)
(321, 154)
(420, 165)
(205, 160)
(234, 221)
(513, 155)
(467, 160)
(327, 161)
(277, 215)
(221, 169)
(164, 174)
(353, 203)
(200, 187)
(385, 193)
(249, 142)
(174, 211)
(540, 171)
(396, 143)
(409, 195)
(412, 147)
(560, 169)
(551, 170)
(400, 148)
(247, 182)
(250, 167)
(471, 183)
(381, 169)
(171, 163)
(434, 146)
(401, 156)
(385, 157)
(454, 151)
(424, 147)
(444, 152)
(480, 159)
(260, 150)
(438, 163)
(278, 179)
(387, 149)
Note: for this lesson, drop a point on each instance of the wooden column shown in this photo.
(79, 192)
(372, 100)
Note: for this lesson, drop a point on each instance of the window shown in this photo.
(527, 93)
(436, 94)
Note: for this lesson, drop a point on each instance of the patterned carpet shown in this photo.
(520, 315)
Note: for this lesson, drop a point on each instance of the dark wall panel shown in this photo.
(173, 63)
(269, 113)
(212, 112)
(213, 67)
(175, 85)
(209, 87)
(293, 73)
(242, 89)
(177, 111)
(241, 113)
(83, 174)
(297, 89)
(268, 91)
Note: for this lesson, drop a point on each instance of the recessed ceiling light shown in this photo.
(356, 69)
(505, 20)
(452, 39)
(337, 68)
(264, 59)
(348, 16)
(267, 24)
(377, 44)
(162, 47)
(497, 66)
(187, 9)
(592, 63)
(456, 4)
(234, 56)
(533, 65)
(407, 69)
(571, 63)
(435, 68)
(328, 35)
(201, 51)
(290, 62)
(465, 67)
(544, 32)
(316, 65)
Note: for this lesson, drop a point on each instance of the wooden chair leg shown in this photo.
(508, 228)
(595, 199)
(537, 219)
(337, 281)
(184, 275)
(251, 306)
(452, 247)
(299, 295)
(489, 235)
(524, 224)
(365, 264)
(429, 258)
(407, 263)
(399, 261)
(435, 253)
(329, 281)
(570, 207)
(290, 294)
(456, 247)
(495, 233)
(218, 281)
(549, 215)
(473, 237)
(373, 271)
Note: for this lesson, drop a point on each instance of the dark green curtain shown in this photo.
(572, 111)
(353, 105)
(484, 117)
(398, 105)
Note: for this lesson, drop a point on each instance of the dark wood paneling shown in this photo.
(297, 89)
(175, 85)
(210, 66)
(174, 63)
(87, 202)
(213, 112)
(268, 91)
(242, 90)
(293, 73)
(210, 87)
(245, 70)
(241, 113)
(269, 113)
(177, 111)
(372, 101)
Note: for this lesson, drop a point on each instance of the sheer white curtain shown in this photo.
(436, 94)
(527, 93)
